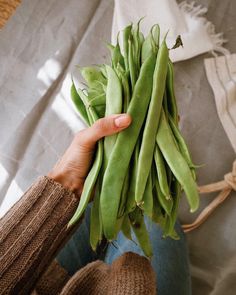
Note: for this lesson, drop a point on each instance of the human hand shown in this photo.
(72, 168)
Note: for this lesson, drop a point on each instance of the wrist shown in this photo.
(66, 181)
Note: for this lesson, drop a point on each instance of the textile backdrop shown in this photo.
(39, 48)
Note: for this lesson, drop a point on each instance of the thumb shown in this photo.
(104, 127)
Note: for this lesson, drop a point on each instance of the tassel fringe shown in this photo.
(198, 11)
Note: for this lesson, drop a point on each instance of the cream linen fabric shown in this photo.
(221, 74)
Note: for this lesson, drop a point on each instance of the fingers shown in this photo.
(103, 127)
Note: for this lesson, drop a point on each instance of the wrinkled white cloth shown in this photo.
(186, 19)
(221, 74)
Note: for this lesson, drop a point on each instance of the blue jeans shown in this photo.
(170, 259)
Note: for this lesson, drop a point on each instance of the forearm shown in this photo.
(32, 233)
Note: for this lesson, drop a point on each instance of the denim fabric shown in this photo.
(170, 259)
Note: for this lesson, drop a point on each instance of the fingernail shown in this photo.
(122, 121)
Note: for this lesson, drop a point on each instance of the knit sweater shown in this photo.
(32, 233)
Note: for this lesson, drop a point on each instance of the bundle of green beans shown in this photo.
(142, 170)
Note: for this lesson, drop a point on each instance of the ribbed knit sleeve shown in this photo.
(32, 233)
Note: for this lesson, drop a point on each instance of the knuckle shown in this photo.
(100, 124)
(104, 125)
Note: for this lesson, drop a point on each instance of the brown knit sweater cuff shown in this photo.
(132, 274)
(32, 233)
(128, 274)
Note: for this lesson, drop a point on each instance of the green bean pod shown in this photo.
(152, 121)
(90, 179)
(139, 228)
(140, 44)
(172, 104)
(157, 215)
(126, 34)
(138, 40)
(176, 199)
(130, 203)
(113, 106)
(79, 103)
(123, 76)
(125, 228)
(93, 77)
(147, 203)
(95, 219)
(132, 64)
(182, 146)
(176, 162)
(161, 172)
(119, 161)
(119, 223)
(117, 58)
(147, 47)
(99, 100)
(166, 204)
(155, 32)
(123, 198)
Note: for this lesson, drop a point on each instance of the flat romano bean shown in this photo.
(166, 226)
(126, 34)
(161, 172)
(123, 76)
(79, 104)
(90, 179)
(177, 163)
(137, 45)
(157, 215)
(155, 32)
(182, 146)
(113, 93)
(113, 106)
(132, 65)
(98, 100)
(119, 222)
(123, 198)
(147, 203)
(166, 204)
(168, 231)
(131, 204)
(95, 219)
(92, 76)
(176, 199)
(117, 57)
(93, 93)
(153, 173)
(147, 48)
(126, 228)
(165, 104)
(169, 174)
(140, 230)
(140, 42)
(99, 109)
(152, 121)
(122, 152)
(172, 104)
